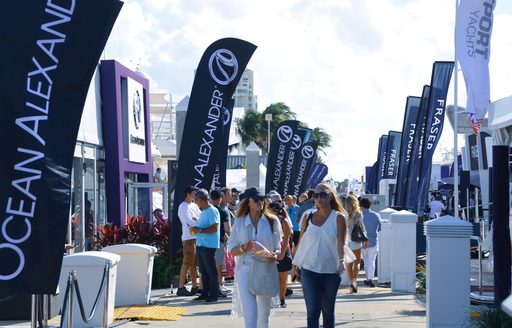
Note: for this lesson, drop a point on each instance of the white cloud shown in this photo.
(344, 65)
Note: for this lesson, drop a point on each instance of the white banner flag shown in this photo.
(473, 47)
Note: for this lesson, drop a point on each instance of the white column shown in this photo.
(448, 271)
(384, 254)
(253, 165)
(403, 252)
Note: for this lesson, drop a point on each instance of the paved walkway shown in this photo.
(370, 307)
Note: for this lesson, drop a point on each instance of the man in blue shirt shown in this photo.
(293, 212)
(207, 241)
(372, 225)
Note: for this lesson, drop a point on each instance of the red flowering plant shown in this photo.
(106, 235)
(137, 230)
(161, 231)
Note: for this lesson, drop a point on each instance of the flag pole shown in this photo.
(455, 123)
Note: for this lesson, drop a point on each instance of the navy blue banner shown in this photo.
(305, 158)
(49, 52)
(300, 137)
(408, 129)
(441, 76)
(381, 158)
(219, 177)
(392, 154)
(318, 173)
(217, 76)
(371, 179)
(415, 164)
(281, 142)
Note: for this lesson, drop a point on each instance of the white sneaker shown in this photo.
(225, 290)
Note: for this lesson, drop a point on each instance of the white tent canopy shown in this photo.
(237, 178)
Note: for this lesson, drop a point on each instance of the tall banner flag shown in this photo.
(392, 152)
(318, 173)
(381, 158)
(217, 76)
(473, 47)
(406, 146)
(441, 75)
(279, 145)
(413, 175)
(49, 52)
(371, 179)
(304, 160)
(219, 177)
(300, 137)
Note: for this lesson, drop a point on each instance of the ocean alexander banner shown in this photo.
(219, 177)
(305, 158)
(217, 76)
(49, 51)
(473, 47)
(280, 144)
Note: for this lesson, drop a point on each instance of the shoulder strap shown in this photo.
(309, 218)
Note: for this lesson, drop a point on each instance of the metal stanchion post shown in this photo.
(70, 299)
(105, 290)
(46, 315)
(33, 310)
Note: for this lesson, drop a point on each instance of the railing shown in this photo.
(72, 286)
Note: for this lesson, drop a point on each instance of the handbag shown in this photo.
(358, 234)
(263, 278)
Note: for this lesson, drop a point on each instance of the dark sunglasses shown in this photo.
(275, 206)
(258, 199)
(321, 194)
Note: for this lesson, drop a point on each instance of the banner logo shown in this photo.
(137, 109)
(308, 152)
(285, 133)
(223, 66)
(296, 142)
(227, 116)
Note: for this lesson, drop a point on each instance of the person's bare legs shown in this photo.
(283, 283)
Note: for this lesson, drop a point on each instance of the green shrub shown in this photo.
(421, 279)
(491, 317)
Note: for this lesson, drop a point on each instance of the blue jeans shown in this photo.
(320, 291)
(208, 270)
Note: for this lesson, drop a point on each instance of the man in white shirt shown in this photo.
(188, 212)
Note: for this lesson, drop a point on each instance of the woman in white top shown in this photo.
(253, 223)
(355, 216)
(320, 255)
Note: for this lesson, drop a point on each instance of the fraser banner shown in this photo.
(408, 129)
(392, 152)
(441, 75)
(413, 175)
(49, 52)
(381, 158)
(473, 47)
(280, 144)
(217, 76)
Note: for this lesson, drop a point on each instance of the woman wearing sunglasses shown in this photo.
(320, 254)
(253, 223)
(285, 257)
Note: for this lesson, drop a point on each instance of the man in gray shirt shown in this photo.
(372, 225)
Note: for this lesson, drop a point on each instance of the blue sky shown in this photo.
(344, 65)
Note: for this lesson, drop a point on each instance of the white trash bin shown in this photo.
(134, 274)
(89, 267)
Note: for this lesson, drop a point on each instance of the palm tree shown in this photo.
(252, 127)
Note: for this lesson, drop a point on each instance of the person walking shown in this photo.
(372, 225)
(285, 258)
(253, 223)
(207, 239)
(355, 217)
(293, 213)
(188, 213)
(319, 259)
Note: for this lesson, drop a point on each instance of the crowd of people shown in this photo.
(312, 239)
